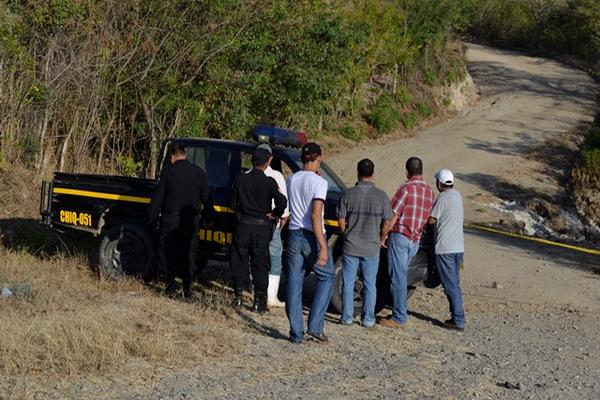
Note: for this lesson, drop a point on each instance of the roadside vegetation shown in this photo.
(97, 85)
(62, 320)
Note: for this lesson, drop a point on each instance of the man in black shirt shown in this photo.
(181, 192)
(252, 198)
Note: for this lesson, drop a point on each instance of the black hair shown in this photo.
(365, 168)
(177, 149)
(414, 166)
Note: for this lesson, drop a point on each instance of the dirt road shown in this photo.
(534, 336)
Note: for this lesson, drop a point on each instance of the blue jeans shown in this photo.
(368, 268)
(448, 266)
(303, 249)
(400, 253)
(275, 249)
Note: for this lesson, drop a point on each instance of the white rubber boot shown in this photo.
(272, 300)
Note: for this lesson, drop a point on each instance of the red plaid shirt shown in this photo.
(412, 203)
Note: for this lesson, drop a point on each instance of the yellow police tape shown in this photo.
(533, 239)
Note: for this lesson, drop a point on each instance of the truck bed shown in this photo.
(81, 201)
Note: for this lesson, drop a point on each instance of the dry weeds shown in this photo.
(74, 323)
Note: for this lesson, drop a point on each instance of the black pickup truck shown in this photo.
(116, 208)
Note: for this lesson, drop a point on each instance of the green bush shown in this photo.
(425, 109)
(385, 114)
(409, 120)
(129, 166)
(352, 133)
(403, 96)
(591, 151)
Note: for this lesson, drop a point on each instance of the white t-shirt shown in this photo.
(304, 187)
(282, 188)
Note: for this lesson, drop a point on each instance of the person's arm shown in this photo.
(317, 225)
(436, 211)
(158, 197)
(387, 227)
(398, 202)
(342, 222)
(342, 210)
(235, 196)
(279, 198)
(204, 189)
(389, 220)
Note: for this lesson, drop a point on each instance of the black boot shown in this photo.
(238, 302)
(260, 303)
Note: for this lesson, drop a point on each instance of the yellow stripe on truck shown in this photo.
(143, 200)
(102, 195)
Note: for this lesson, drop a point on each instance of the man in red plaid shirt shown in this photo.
(411, 205)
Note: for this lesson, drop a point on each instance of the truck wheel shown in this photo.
(336, 298)
(127, 249)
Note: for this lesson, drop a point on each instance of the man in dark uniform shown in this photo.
(181, 192)
(252, 198)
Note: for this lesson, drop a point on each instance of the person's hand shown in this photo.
(323, 257)
(384, 242)
(271, 216)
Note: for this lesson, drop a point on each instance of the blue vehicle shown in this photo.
(116, 207)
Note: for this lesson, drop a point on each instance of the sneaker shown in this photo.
(449, 324)
(342, 322)
(367, 326)
(320, 337)
(390, 323)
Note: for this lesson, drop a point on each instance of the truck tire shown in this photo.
(127, 249)
(336, 298)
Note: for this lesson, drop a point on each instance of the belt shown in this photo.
(253, 221)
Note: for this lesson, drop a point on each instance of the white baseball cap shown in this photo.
(445, 177)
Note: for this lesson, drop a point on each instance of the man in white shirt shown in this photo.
(307, 244)
(275, 245)
(448, 217)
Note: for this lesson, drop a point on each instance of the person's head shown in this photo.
(444, 180)
(177, 152)
(311, 156)
(266, 147)
(260, 158)
(414, 167)
(365, 169)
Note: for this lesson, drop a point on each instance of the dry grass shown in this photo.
(74, 323)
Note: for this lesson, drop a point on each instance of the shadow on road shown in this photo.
(501, 79)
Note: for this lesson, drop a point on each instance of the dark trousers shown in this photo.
(251, 248)
(178, 247)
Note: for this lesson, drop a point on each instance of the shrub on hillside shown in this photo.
(351, 132)
(385, 114)
(409, 120)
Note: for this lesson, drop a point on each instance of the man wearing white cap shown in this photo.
(448, 216)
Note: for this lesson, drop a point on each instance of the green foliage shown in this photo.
(119, 76)
(385, 114)
(425, 109)
(591, 151)
(409, 120)
(129, 166)
(562, 27)
(351, 132)
(403, 96)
